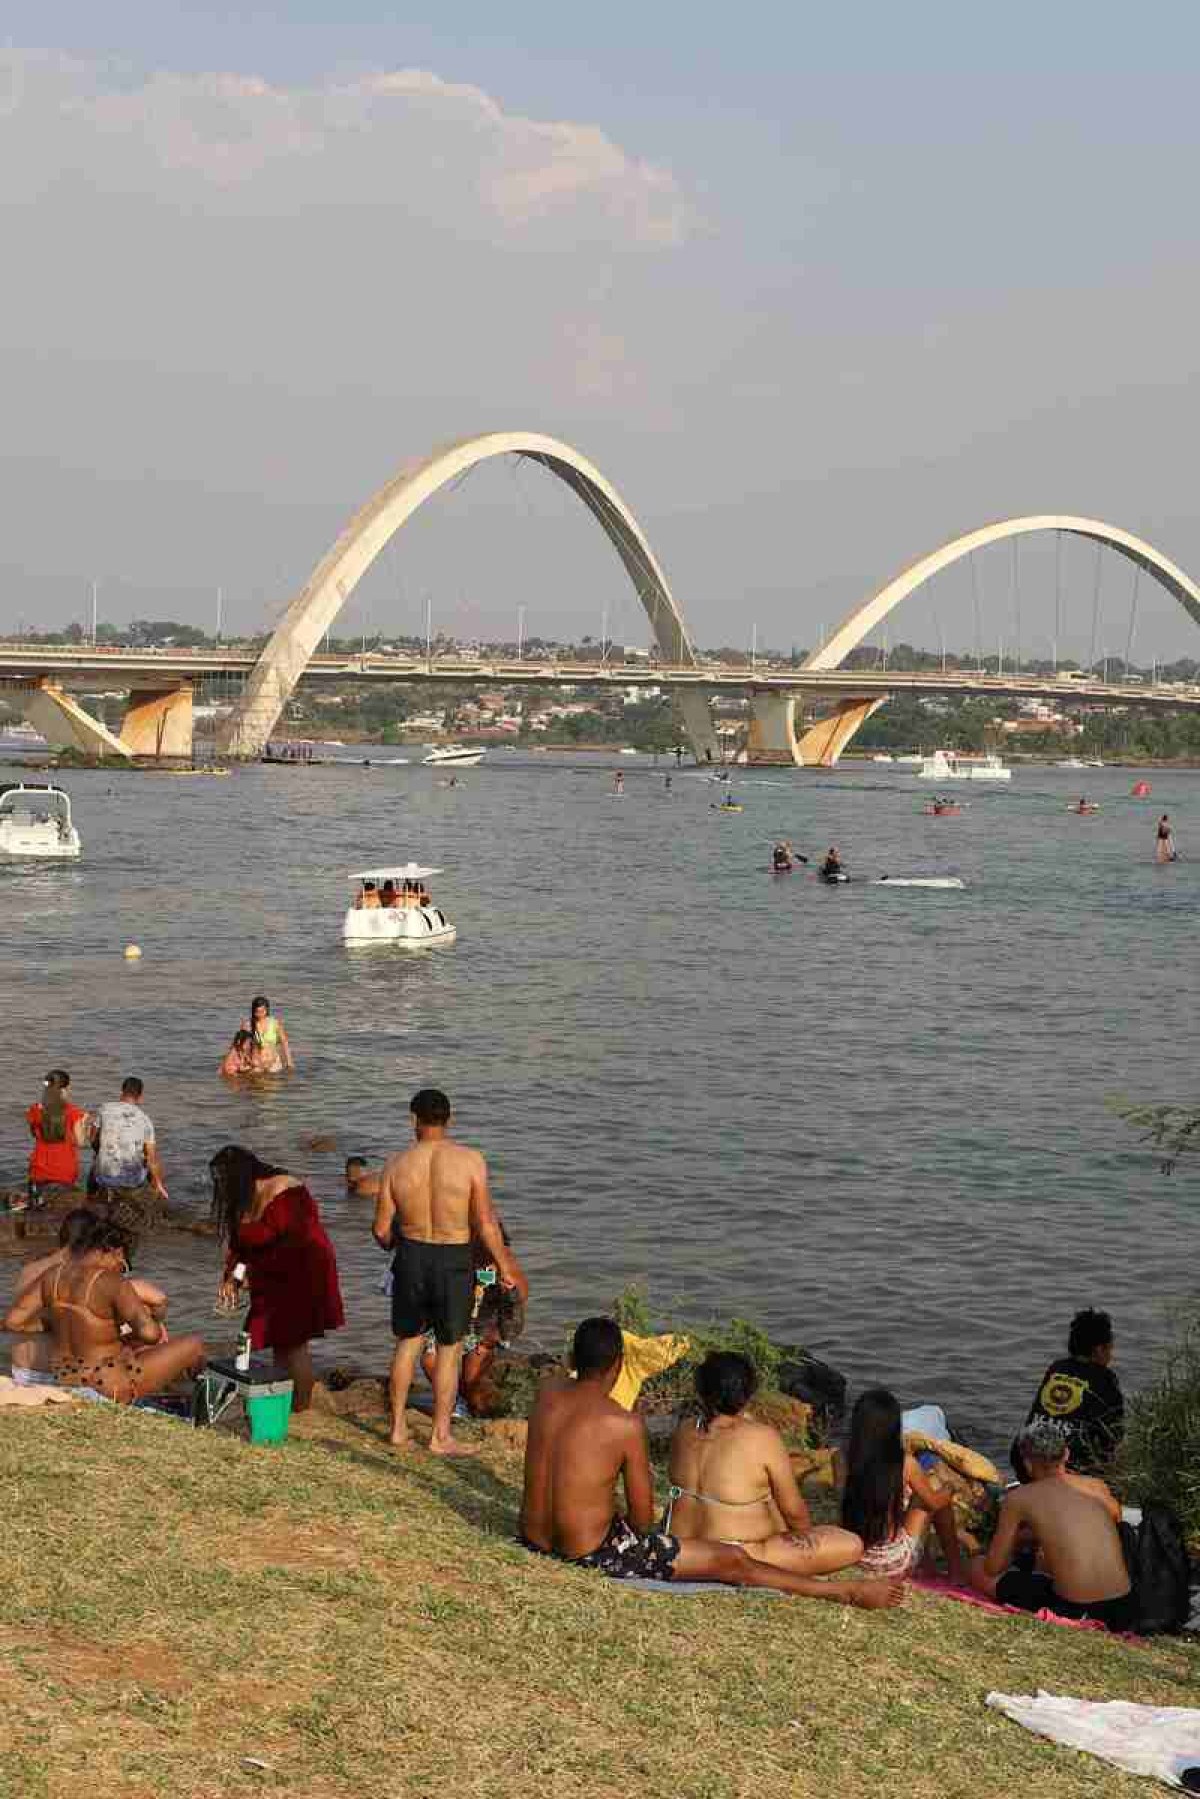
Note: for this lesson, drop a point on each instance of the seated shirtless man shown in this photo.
(580, 1441)
(1073, 1520)
(83, 1302)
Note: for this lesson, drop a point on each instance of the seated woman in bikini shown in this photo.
(732, 1480)
(85, 1303)
(32, 1355)
(888, 1499)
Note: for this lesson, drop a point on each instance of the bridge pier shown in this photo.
(158, 722)
(824, 741)
(65, 725)
(696, 713)
(772, 734)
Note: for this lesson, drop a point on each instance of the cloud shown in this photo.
(402, 136)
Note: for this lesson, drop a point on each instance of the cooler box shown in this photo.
(268, 1401)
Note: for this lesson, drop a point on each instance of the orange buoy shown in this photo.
(1141, 790)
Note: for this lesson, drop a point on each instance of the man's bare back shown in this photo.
(579, 1443)
(1074, 1520)
(428, 1189)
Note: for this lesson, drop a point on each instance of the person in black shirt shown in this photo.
(1081, 1392)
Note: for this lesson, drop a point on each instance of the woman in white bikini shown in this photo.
(888, 1502)
(732, 1480)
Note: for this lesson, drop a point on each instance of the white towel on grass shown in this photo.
(1162, 1741)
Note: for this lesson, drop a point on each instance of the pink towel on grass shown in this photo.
(942, 1588)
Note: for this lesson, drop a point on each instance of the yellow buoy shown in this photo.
(132, 952)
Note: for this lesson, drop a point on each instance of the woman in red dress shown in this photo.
(268, 1220)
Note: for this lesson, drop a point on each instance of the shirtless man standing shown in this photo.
(433, 1202)
(580, 1441)
(1073, 1521)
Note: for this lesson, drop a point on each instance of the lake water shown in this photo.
(874, 1120)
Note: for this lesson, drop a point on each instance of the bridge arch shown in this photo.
(316, 606)
(859, 623)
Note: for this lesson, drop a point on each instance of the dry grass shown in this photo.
(188, 1615)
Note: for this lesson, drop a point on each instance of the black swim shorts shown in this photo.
(626, 1554)
(433, 1288)
(1034, 1592)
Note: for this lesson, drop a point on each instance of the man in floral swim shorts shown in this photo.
(580, 1441)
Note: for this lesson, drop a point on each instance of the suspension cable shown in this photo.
(1057, 598)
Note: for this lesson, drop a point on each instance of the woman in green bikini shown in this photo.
(270, 1038)
(732, 1479)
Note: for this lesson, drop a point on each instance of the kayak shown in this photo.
(918, 881)
(1083, 811)
(833, 880)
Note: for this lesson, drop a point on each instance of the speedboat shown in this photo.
(392, 905)
(35, 821)
(454, 755)
(1071, 762)
(883, 757)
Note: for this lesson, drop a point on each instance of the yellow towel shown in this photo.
(956, 1455)
(643, 1357)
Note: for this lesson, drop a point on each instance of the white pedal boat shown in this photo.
(394, 906)
(35, 823)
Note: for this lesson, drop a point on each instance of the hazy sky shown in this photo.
(816, 288)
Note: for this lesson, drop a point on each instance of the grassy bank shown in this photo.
(181, 1607)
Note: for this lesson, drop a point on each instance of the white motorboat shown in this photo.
(909, 761)
(393, 905)
(883, 757)
(946, 765)
(454, 755)
(35, 822)
(1071, 762)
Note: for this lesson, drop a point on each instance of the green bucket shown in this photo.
(269, 1413)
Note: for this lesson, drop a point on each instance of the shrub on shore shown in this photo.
(1160, 1455)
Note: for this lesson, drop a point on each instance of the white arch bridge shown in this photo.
(159, 716)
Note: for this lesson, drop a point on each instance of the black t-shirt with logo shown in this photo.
(1086, 1397)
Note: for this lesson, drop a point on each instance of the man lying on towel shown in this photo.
(1072, 1519)
(580, 1441)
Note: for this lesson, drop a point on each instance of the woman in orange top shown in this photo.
(57, 1128)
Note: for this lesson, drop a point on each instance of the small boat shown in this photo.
(35, 823)
(628, 752)
(1071, 762)
(393, 905)
(837, 879)
(883, 757)
(909, 761)
(728, 806)
(941, 809)
(1084, 807)
(454, 755)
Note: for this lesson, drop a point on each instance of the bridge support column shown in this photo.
(698, 726)
(824, 741)
(772, 734)
(65, 725)
(159, 722)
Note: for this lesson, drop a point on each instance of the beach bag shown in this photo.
(1158, 1571)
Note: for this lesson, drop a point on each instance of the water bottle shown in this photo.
(241, 1360)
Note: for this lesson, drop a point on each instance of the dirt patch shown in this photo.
(81, 1663)
(282, 1544)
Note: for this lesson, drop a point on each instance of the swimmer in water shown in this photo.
(618, 782)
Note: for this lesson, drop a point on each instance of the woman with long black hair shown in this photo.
(268, 1219)
(888, 1501)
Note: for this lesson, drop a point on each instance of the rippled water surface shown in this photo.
(875, 1120)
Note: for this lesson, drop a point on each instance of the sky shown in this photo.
(816, 289)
